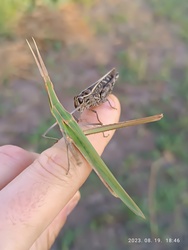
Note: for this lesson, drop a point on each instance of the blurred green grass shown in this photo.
(174, 11)
(9, 14)
(170, 137)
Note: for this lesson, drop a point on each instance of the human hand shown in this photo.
(36, 193)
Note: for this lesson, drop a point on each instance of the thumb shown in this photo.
(40, 192)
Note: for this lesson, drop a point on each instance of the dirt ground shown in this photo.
(79, 44)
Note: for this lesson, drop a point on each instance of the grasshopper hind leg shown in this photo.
(99, 120)
(94, 111)
(110, 104)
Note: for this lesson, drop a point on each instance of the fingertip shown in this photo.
(108, 112)
(13, 160)
(115, 108)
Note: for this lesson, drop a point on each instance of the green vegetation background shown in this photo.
(81, 40)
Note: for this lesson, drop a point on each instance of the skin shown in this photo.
(36, 193)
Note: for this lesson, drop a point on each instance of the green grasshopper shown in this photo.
(73, 135)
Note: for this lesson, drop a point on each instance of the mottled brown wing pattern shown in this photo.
(97, 93)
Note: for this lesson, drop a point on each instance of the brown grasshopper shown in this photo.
(94, 95)
(97, 93)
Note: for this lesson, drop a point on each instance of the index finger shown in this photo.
(33, 199)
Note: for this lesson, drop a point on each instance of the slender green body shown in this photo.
(70, 129)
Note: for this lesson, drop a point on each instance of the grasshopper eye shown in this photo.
(80, 100)
(77, 101)
(117, 75)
